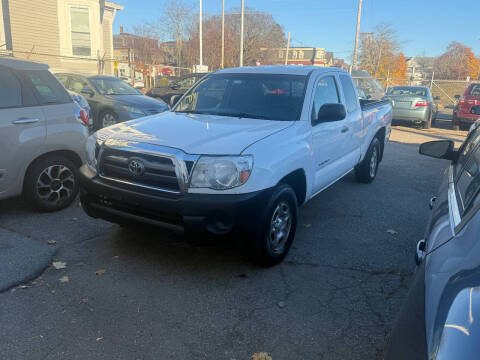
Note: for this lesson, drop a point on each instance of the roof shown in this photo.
(278, 69)
(21, 64)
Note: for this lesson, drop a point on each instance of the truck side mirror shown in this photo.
(174, 99)
(331, 112)
(441, 149)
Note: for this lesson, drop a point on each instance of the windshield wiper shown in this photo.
(244, 115)
(196, 112)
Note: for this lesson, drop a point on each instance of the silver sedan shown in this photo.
(414, 104)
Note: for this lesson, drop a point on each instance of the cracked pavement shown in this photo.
(335, 296)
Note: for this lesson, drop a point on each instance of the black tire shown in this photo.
(434, 118)
(262, 249)
(366, 171)
(102, 119)
(427, 124)
(51, 183)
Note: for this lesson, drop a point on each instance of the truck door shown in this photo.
(328, 138)
(351, 148)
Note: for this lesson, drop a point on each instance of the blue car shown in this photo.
(441, 317)
(111, 100)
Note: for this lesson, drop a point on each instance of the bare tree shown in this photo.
(175, 23)
(378, 47)
(261, 31)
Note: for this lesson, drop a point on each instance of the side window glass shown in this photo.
(326, 92)
(464, 152)
(186, 83)
(48, 87)
(10, 91)
(349, 92)
(77, 84)
(468, 183)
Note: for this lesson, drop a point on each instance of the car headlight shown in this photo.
(221, 172)
(132, 110)
(92, 149)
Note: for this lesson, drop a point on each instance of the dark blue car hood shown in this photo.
(138, 101)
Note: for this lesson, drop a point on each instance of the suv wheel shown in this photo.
(107, 118)
(51, 183)
(366, 171)
(276, 229)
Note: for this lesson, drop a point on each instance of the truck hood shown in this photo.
(196, 134)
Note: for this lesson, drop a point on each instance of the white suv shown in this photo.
(42, 136)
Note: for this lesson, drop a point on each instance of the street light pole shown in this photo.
(223, 35)
(200, 34)
(355, 51)
(241, 33)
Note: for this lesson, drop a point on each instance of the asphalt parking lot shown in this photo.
(147, 294)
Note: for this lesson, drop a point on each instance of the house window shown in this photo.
(80, 23)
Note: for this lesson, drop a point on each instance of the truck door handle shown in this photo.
(344, 129)
(26, 121)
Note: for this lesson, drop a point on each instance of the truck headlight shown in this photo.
(221, 172)
(92, 148)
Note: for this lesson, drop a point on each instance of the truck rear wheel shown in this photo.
(366, 171)
(276, 229)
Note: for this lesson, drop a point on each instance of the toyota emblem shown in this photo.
(136, 167)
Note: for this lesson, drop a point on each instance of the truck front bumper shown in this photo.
(215, 213)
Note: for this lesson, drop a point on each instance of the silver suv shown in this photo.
(42, 136)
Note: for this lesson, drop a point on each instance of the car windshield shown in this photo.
(256, 96)
(112, 86)
(368, 88)
(406, 90)
(474, 90)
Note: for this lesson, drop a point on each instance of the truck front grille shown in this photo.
(139, 169)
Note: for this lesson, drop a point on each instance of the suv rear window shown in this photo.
(474, 90)
(48, 88)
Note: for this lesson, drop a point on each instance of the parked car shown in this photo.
(368, 88)
(43, 133)
(240, 152)
(440, 317)
(83, 103)
(178, 87)
(138, 84)
(414, 104)
(467, 110)
(111, 100)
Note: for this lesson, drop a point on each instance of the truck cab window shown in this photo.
(349, 92)
(326, 92)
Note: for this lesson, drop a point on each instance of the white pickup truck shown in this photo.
(239, 152)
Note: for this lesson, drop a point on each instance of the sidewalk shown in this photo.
(21, 258)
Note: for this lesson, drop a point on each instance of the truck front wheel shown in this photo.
(276, 228)
(366, 171)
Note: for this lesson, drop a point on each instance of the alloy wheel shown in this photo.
(55, 184)
(280, 227)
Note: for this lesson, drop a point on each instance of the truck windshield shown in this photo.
(256, 96)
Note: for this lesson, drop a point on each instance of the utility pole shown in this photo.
(288, 48)
(222, 65)
(241, 32)
(200, 35)
(355, 51)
